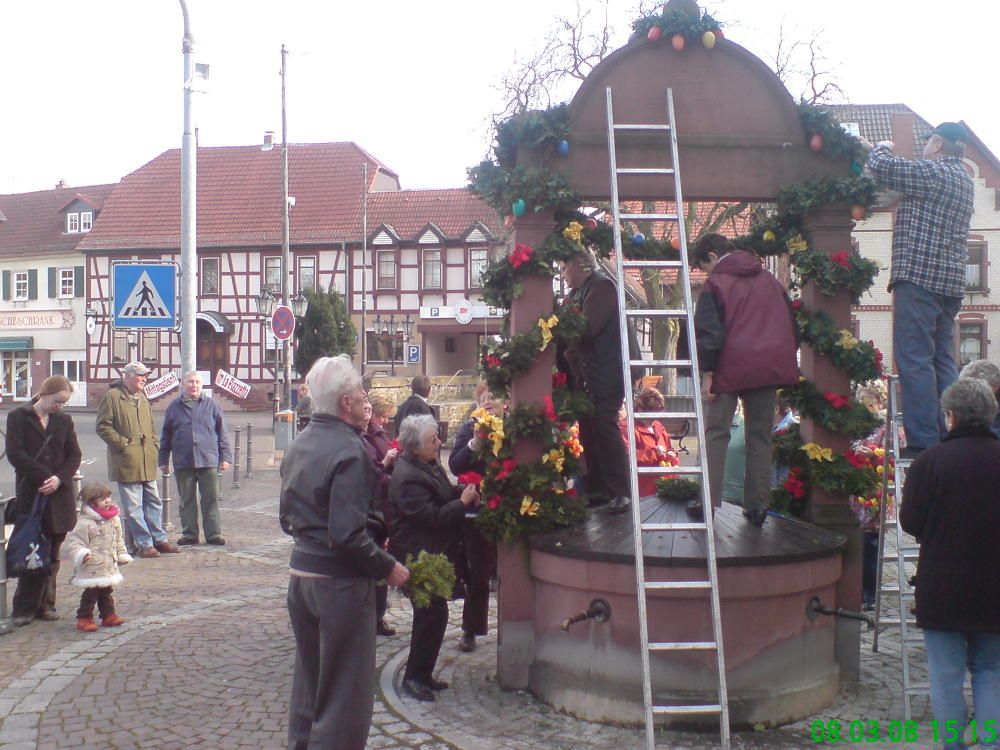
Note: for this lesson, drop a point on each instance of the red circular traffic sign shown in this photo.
(283, 323)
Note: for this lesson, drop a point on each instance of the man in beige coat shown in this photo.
(125, 423)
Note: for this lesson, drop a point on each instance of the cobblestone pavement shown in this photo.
(205, 661)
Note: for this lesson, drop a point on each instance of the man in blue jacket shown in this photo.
(194, 431)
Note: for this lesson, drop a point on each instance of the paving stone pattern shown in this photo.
(206, 655)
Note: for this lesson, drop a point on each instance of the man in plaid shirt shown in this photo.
(929, 255)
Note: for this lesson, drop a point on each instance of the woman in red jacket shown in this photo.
(652, 442)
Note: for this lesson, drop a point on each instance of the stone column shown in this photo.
(829, 231)
(515, 593)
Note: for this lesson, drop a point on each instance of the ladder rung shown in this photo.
(669, 585)
(676, 312)
(908, 557)
(897, 592)
(659, 363)
(666, 415)
(895, 622)
(643, 127)
(648, 217)
(651, 264)
(684, 646)
(711, 708)
(674, 527)
(668, 470)
(640, 170)
(919, 688)
(910, 548)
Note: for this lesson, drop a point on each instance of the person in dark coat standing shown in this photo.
(427, 512)
(950, 505)
(327, 485)
(595, 364)
(43, 449)
(747, 340)
(479, 554)
(383, 458)
(194, 434)
(416, 403)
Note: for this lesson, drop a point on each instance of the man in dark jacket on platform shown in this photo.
(950, 504)
(747, 340)
(327, 490)
(595, 363)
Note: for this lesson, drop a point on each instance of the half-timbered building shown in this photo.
(425, 251)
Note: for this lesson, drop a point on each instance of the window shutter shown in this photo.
(6, 284)
(52, 282)
(78, 281)
(33, 284)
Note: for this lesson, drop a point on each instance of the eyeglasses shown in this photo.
(61, 402)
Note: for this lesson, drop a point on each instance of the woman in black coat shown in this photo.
(427, 513)
(383, 458)
(950, 504)
(43, 449)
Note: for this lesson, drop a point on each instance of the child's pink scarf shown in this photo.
(105, 514)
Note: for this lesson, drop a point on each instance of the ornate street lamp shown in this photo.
(299, 305)
(266, 302)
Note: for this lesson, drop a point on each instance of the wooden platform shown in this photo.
(608, 538)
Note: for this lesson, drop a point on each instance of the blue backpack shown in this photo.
(29, 549)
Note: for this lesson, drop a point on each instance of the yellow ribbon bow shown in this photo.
(573, 231)
(818, 452)
(529, 507)
(555, 457)
(547, 326)
(795, 244)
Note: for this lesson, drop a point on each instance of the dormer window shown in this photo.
(79, 221)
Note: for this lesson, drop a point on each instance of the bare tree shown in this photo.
(574, 47)
(803, 64)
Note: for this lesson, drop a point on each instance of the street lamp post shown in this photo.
(266, 302)
(390, 329)
(189, 259)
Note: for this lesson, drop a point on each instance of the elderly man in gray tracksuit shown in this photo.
(194, 432)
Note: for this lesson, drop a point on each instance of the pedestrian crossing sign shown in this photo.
(145, 295)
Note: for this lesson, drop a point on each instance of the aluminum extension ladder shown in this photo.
(711, 584)
(906, 551)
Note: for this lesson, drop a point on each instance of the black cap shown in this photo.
(951, 131)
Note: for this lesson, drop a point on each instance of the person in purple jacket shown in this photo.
(194, 432)
(747, 341)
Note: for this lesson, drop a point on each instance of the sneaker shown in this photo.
(148, 552)
(166, 547)
(112, 621)
(86, 625)
(184, 541)
(49, 615)
(218, 541)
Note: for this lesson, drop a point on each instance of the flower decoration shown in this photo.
(836, 400)
(556, 457)
(470, 477)
(846, 340)
(493, 503)
(793, 483)
(520, 255)
(559, 379)
(842, 259)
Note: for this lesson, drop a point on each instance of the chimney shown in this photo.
(903, 139)
(61, 185)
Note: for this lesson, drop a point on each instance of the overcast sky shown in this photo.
(91, 91)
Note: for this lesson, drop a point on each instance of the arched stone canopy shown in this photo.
(740, 138)
(738, 130)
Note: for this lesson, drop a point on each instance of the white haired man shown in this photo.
(194, 433)
(327, 488)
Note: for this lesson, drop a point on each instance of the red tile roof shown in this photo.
(239, 199)
(33, 223)
(409, 212)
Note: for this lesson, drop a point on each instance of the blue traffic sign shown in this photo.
(145, 295)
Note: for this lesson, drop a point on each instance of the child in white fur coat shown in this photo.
(97, 547)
